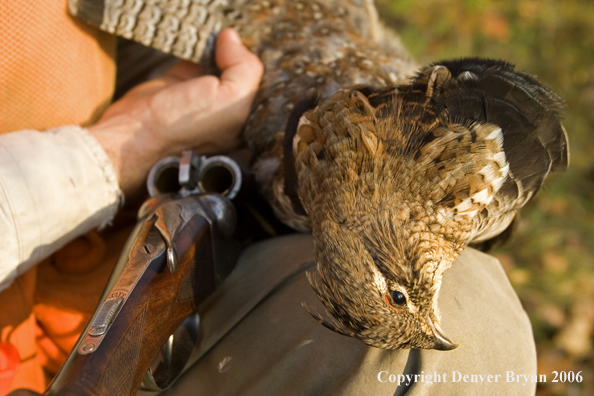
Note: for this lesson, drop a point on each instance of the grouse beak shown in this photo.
(442, 342)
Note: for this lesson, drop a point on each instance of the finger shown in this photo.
(181, 71)
(241, 70)
(185, 70)
(23, 392)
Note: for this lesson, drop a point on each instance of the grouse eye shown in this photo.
(398, 298)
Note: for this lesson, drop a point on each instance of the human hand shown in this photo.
(180, 110)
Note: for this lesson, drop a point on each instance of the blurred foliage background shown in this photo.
(550, 259)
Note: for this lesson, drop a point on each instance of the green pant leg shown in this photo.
(259, 340)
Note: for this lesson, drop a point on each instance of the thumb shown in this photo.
(241, 70)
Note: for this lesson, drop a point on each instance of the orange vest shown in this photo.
(54, 70)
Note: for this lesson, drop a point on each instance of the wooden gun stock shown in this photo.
(170, 264)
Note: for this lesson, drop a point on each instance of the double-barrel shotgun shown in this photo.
(146, 324)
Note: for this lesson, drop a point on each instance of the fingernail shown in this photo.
(233, 36)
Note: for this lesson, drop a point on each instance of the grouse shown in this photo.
(394, 171)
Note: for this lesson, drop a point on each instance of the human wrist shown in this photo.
(130, 148)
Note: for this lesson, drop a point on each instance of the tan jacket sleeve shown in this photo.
(54, 186)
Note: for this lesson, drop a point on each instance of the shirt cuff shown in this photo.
(54, 186)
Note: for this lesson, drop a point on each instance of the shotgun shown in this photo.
(177, 254)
